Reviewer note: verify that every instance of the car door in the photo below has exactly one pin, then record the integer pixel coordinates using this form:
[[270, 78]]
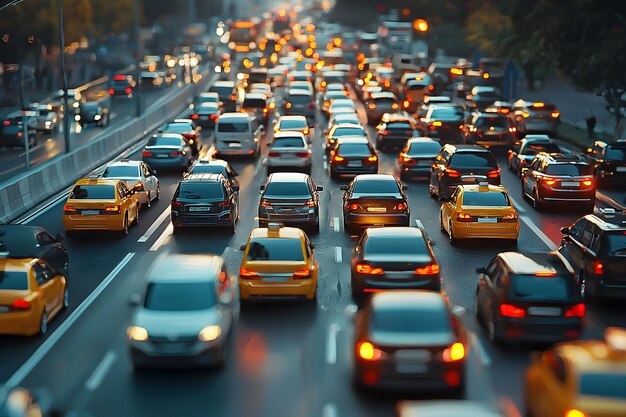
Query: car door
[[448, 208], [50, 287], [51, 251], [497, 296], [526, 177], [590, 235], [571, 247], [127, 201], [485, 290]]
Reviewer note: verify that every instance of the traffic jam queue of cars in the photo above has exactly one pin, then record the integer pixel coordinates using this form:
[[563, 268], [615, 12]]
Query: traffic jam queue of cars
[[407, 335]]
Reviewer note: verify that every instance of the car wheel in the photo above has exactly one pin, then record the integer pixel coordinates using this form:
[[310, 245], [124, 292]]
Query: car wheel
[[441, 226], [137, 215], [43, 323], [149, 202], [125, 226], [158, 193], [453, 240], [479, 316], [582, 282], [66, 298], [536, 202], [431, 191]]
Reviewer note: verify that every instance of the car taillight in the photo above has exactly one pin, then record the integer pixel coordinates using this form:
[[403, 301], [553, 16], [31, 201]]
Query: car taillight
[[287, 105], [246, 273], [472, 128], [405, 158], [372, 106], [273, 154], [310, 203], [508, 310], [454, 353], [435, 124], [598, 268], [353, 206], [176, 204], [572, 412], [147, 153], [548, 181], [400, 206], [302, 273], [214, 116], [265, 203], [112, 209], [233, 97], [587, 183], [128, 90], [69, 209], [555, 114], [176, 153], [303, 154], [384, 132], [494, 173], [7, 123], [427, 270], [338, 158], [368, 351], [406, 104], [363, 268], [195, 116], [452, 173], [577, 310], [431, 87], [512, 129], [510, 217], [373, 158], [464, 217], [111, 91], [311, 106], [21, 304]]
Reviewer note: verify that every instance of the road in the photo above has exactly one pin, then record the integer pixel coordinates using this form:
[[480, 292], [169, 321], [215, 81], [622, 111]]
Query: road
[[287, 358]]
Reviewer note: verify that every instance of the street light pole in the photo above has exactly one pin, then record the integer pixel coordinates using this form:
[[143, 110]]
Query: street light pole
[[66, 120], [135, 35]]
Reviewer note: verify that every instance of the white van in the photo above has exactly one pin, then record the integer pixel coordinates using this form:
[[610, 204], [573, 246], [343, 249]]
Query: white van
[[238, 134]]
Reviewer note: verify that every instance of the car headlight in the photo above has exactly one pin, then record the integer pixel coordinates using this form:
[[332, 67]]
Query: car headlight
[[77, 117], [48, 123], [97, 117], [137, 333], [209, 333]]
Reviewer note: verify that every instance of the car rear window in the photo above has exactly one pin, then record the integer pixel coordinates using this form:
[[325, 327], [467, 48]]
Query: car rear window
[[446, 114], [299, 99], [425, 148], [272, 249], [292, 142], [616, 153], [414, 320], [469, 160], [197, 190], [491, 199], [121, 171], [375, 187], [13, 280], [614, 244], [287, 189], [93, 192], [535, 148], [183, 296], [232, 127], [292, 124], [399, 126], [388, 245], [255, 103], [164, 141], [222, 92], [496, 122], [349, 131], [568, 169], [534, 288], [603, 384], [354, 150]]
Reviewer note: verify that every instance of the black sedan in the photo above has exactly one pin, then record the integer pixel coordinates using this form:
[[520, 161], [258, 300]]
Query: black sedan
[[417, 156], [374, 200], [93, 112], [409, 341], [22, 241], [393, 258], [352, 156]]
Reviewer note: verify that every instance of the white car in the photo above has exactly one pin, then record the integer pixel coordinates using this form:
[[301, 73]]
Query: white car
[[289, 150], [302, 85], [344, 103], [136, 175]]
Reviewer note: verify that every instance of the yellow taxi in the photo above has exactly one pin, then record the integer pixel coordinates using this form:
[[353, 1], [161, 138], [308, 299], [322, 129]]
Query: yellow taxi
[[100, 204], [479, 211], [278, 262], [30, 295], [585, 378]]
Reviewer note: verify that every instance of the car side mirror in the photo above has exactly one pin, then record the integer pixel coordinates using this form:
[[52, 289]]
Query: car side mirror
[[405, 187], [262, 187], [242, 247], [320, 188], [135, 300], [343, 187], [480, 270], [565, 231]]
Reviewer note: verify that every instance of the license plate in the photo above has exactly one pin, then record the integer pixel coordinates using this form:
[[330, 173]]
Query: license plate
[[199, 208], [377, 209], [234, 145], [412, 355], [162, 156], [204, 117], [544, 311], [411, 368], [4, 309], [620, 169], [90, 212], [469, 179], [275, 279], [570, 184], [355, 163], [487, 220], [287, 156]]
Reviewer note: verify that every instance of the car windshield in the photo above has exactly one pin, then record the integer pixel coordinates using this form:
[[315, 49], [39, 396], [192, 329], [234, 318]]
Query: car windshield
[[446, 114], [354, 150], [121, 171], [495, 122], [568, 169], [469, 160], [410, 320], [196, 190], [294, 124], [164, 141], [93, 192], [491, 199], [534, 288], [177, 127], [253, 103], [603, 384], [287, 189], [299, 99], [535, 148], [389, 245], [180, 296], [13, 280], [348, 131], [616, 154], [272, 249], [292, 142], [232, 127], [424, 148], [375, 187]]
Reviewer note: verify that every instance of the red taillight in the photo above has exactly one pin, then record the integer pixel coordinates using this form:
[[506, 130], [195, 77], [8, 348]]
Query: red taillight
[[147, 153], [111, 91], [555, 114], [21, 304], [213, 116], [19, 134], [246, 273], [195, 116], [338, 158], [128, 90], [176, 153], [400, 206], [302, 273], [427, 270], [494, 173], [273, 154], [548, 181], [112, 209], [265, 203], [598, 268], [406, 159], [69, 209], [454, 353], [510, 217], [463, 217], [362, 268], [431, 87], [384, 132], [577, 310], [508, 310], [587, 183], [7, 122], [302, 154], [373, 158], [353, 206], [368, 351], [176, 204], [452, 173], [311, 106]]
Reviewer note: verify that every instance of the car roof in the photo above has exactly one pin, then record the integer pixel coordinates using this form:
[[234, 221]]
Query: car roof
[[233, 115], [446, 408], [382, 94], [282, 232], [351, 139], [203, 176], [423, 139], [292, 117], [395, 231], [483, 188], [608, 221], [179, 268], [562, 158], [408, 300], [466, 148], [530, 263], [287, 177], [344, 125], [289, 134], [299, 92], [219, 162]]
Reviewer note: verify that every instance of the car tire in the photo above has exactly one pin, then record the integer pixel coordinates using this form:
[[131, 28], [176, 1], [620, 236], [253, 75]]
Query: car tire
[[70, 234], [43, 323], [536, 201], [137, 215], [431, 191], [441, 226], [453, 240], [492, 333], [66, 298], [125, 226], [589, 207], [149, 201], [334, 176]]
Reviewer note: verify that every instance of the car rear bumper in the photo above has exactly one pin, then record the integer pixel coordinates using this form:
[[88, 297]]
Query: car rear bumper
[[185, 220], [20, 323], [178, 162], [345, 170], [250, 288], [363, 221], [475, 230], [110, 222], [550, 331], [364, 284]]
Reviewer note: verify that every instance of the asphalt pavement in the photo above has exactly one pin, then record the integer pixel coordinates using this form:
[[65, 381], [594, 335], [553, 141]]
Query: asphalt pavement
[[287, 358]]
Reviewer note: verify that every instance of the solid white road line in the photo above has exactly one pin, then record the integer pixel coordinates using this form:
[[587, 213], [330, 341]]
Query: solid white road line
[[338, 255], [30, 364], [155, 225], [330, 410], [101, 370], [336, 226], [484, 357], [325, 165], [331, 344], [164, 236]]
